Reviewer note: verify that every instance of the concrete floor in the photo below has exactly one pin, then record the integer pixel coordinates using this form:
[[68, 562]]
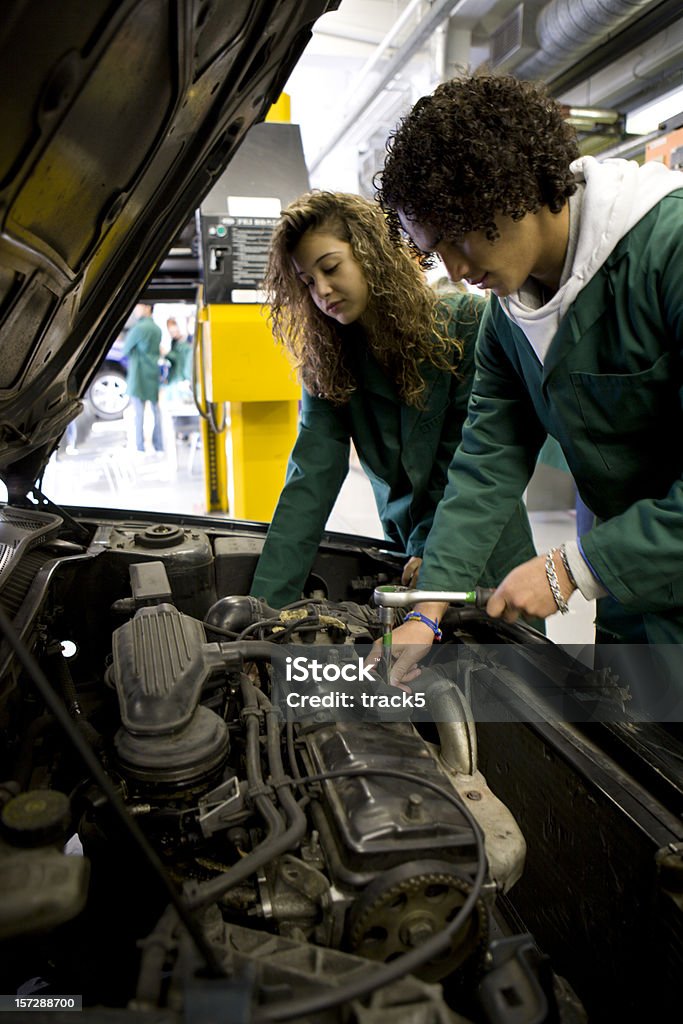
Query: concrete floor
[[107, 472]]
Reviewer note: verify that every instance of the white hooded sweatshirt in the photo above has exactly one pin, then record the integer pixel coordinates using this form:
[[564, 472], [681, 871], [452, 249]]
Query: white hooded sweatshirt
[[617, 194]]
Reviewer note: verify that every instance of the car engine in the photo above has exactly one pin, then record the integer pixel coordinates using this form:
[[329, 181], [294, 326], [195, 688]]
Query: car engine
[[178, 832]]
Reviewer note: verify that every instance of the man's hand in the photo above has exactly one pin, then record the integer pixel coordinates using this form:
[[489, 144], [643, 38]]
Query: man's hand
[[526, 591], [410, 571]]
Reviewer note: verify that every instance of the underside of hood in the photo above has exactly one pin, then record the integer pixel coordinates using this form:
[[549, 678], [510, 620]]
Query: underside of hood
[[117, 118]]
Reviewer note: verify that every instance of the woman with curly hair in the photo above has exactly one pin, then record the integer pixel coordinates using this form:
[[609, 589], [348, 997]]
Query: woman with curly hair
[[385, 363], [582, 343]]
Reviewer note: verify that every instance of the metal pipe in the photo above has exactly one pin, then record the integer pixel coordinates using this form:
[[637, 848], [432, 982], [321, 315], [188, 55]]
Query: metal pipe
[[353, 35], [405, 15], [451, 713], [567, 29], [441, 9], [631, 147]]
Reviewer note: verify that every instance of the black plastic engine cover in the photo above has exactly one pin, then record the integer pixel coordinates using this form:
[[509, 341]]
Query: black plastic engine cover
[[377, 821]]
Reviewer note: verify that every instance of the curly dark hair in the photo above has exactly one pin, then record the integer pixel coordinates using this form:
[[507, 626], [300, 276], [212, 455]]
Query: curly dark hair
[[478, 147], [405, 323]]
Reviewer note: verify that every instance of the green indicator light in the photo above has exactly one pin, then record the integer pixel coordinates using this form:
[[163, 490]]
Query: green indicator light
[[221, 230]]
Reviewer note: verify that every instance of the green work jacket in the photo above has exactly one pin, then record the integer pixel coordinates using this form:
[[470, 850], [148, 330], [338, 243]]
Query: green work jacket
[[404, 450], [180, 359], [142, 348], [610, 391]]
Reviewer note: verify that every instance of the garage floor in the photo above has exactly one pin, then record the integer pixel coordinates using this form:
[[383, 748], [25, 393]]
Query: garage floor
[[106, 471]]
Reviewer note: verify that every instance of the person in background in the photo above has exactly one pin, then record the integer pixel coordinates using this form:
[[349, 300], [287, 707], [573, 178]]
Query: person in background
[[582, 342], [142, 349], [179, 355], [385, 363]]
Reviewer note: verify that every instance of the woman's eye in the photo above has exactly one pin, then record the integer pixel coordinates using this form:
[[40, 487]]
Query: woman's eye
[[330, 270]]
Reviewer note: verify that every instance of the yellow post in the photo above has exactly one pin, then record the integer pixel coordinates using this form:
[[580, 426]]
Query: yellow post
[[260, 438], [281, 110], [242, 370], [245, 368]]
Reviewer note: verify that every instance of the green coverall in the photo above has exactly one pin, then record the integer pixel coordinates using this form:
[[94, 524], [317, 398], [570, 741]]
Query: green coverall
[[610, 391], [404, 450], [141, 345]]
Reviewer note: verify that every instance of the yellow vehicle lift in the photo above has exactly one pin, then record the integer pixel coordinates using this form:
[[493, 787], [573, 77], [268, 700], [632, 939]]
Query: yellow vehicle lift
[[245, 386], [246, 442]]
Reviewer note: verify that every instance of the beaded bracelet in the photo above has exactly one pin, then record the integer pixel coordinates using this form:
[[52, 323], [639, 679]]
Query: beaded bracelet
[[419, 617], [567, 568], [554, 583]]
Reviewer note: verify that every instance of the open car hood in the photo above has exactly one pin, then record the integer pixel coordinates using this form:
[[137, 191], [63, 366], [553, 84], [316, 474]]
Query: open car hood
[[118, 116]]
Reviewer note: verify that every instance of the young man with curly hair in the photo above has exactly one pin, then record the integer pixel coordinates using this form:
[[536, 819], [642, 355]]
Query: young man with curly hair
[[385, 363], [582, 342]]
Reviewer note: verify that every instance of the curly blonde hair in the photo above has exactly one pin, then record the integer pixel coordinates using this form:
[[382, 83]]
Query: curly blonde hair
[[405, 323]]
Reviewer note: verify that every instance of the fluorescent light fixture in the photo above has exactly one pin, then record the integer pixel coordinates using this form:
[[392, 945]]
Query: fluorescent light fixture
[[597, 114], [648, 118]]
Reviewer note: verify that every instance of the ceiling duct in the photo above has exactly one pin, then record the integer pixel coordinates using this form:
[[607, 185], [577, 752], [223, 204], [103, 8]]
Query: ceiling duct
[[567, 29], [513, 40]]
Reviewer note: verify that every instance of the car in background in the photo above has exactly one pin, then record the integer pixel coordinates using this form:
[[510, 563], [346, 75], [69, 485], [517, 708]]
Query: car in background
[[175, 280], [107, 397]]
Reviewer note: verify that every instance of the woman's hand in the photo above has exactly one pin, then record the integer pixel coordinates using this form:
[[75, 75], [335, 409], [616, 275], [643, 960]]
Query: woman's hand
[[409, 644], [410, 571], [526, 591]]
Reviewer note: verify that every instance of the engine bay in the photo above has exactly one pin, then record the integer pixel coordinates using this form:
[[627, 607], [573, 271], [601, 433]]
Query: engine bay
[[191, 822], [164, 811]]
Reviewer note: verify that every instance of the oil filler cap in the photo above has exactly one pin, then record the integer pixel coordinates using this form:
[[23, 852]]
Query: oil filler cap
[[38, 818]]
